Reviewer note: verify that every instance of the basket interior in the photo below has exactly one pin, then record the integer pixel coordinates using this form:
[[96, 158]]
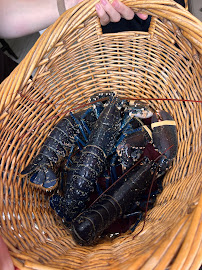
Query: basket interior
[[158, 64]]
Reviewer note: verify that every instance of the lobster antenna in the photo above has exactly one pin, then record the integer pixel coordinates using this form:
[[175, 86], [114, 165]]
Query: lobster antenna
[[168, 99], [164, 152], [149, 194], [161, 99], [102, 99], [64, 113], [147, 205]]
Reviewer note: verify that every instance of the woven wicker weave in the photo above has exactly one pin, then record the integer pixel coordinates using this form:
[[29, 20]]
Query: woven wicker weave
[[72, 60]]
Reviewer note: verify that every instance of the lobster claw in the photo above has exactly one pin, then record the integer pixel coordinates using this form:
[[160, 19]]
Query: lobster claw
[[165, 134]]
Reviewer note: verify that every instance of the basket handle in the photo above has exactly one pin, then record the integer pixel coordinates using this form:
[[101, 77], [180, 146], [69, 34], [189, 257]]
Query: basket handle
[[190, 27]]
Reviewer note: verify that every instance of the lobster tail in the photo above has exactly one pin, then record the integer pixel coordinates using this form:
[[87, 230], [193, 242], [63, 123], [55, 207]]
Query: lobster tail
[[38, 161], [45, 178]]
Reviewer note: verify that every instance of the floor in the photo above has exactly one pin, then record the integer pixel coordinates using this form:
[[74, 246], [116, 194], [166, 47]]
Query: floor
[[195, 7], [21, 46]]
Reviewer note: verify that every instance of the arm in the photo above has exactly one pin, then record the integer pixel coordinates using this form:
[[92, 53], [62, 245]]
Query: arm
[[23, 17]]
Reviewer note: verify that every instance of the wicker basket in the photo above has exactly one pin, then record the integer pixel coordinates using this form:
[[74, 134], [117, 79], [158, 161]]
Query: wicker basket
[[72, 60]]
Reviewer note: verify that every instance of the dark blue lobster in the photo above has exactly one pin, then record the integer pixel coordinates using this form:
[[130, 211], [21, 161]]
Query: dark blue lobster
[[91, 163], [90, 224], [73, 130]]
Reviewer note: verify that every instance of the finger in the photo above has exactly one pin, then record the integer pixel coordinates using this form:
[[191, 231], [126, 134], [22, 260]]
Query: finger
[[5, 259], [104, 18], [142, 16], [113, 14], [125, 12]]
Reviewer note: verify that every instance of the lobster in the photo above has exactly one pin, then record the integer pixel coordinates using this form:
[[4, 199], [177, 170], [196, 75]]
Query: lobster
[[94, 155], [91, 163], [111, 205], [70, 132], [73, 130]]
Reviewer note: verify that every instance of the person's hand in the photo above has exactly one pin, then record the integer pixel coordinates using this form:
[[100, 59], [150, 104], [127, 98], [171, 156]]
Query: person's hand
[[5, 259], [114, 12]]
